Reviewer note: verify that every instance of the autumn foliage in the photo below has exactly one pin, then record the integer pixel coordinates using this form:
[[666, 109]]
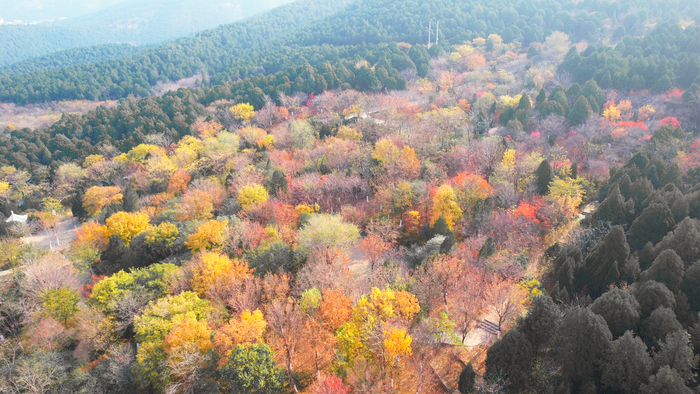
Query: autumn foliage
[[98, 197], [210, 235], [338, 241], [127, 225], [211, 270]]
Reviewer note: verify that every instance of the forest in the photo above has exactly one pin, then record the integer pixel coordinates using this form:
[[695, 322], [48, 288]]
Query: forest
[[340, 207], [72, 57], [309, 31], [59, 25]]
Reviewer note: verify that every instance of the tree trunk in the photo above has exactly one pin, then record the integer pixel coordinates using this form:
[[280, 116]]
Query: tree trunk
[[289, 369]]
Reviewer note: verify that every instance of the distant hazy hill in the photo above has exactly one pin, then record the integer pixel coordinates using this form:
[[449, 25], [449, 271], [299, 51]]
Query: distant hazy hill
[[43, 10], [72, 57], [137, 22]]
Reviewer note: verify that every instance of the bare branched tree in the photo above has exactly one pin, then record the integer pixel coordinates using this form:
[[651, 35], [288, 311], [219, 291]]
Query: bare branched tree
[[51, 272], [184, 366]]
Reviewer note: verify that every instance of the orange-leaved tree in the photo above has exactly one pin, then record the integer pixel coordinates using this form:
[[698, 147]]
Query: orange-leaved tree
[[381, 236], [187, 346], [505, 298], [207, 129], [94, 234], [245, 329], [284, 319], [317, 347], [178, 182], [210, 235], [195, 205], [212, 271], [98, 197], [335, 309], [471, 189]]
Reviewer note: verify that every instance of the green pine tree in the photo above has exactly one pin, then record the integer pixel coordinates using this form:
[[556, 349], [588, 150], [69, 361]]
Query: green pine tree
[[581, 111], [651, 226], [581, 341], [130, 201], [525, 102], [593, 93], [467, 380], [544, 175], [560, 97], [627, 364], [604, 260], [573, 91], [606, 81], [552, 108], [541, 97], [488, 249], [511, 357], [620, 310], [77, 205]]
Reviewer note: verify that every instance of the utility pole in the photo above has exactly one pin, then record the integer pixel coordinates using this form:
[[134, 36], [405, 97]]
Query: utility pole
[[437, 33], [430, 29]]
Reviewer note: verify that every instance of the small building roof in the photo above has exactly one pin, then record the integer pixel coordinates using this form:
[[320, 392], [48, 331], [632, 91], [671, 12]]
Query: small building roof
[[15, 218]]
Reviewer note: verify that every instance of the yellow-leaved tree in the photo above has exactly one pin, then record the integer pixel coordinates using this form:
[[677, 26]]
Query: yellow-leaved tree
[[384, 315], [348, 133], [568, 192], [398, 162], [140, 152], [445, 204], [4, 189], [243, 112], [187, 347], [386, 152], [127, 225], [612, 113], [165, 232], [61, 303], [397, 344], [168, 323], [210, 235], [251, 195], [186, 152], [189, 334], [374, 312]]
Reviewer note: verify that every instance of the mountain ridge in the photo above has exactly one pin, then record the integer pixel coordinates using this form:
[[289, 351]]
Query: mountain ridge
[[132, 21]]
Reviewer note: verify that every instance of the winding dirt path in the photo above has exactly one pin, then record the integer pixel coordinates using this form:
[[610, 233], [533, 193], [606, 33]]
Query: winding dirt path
[[58, 238]]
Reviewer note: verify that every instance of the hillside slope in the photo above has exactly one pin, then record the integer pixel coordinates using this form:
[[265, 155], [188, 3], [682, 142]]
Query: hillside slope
[[132, 21], [72, 57], [222, 48]]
